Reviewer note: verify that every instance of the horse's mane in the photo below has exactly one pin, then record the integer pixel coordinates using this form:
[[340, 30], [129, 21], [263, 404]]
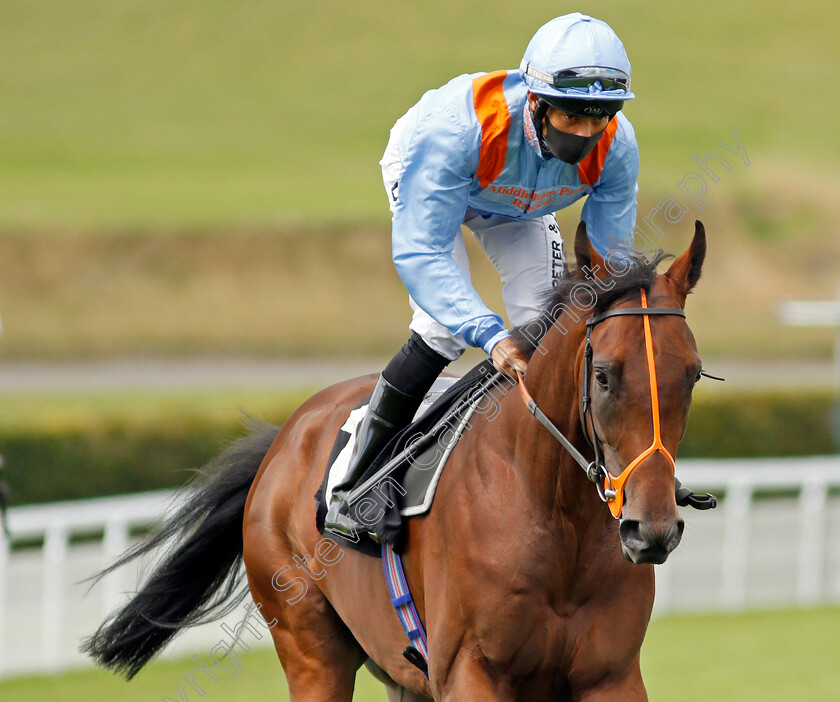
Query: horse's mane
[[640, 272]]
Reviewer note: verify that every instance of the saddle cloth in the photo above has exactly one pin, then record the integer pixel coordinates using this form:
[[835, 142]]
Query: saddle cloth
[[401, 481]]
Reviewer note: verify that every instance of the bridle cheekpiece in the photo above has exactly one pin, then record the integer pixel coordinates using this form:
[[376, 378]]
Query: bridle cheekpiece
[[610, 487]]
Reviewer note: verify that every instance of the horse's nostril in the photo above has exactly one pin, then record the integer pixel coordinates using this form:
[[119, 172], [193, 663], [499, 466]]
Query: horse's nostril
[[630, 531], [640, 537], [672, 540]]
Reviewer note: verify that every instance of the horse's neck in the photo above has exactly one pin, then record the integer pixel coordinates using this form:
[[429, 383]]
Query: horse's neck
[[553, 381]]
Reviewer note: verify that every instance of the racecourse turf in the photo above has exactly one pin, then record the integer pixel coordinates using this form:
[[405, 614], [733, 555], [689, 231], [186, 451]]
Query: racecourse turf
[[769, 656], [203, 113], [200, 177]]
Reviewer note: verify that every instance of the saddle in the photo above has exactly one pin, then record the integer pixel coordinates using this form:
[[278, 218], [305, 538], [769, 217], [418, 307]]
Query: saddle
[[401, 481]]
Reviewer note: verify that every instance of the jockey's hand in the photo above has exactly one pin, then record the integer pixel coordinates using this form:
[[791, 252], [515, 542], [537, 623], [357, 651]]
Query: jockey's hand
[[508, 358]]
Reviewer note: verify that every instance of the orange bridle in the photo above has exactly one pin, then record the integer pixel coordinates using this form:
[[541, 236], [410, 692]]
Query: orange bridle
[[612, 489], [614, 486]]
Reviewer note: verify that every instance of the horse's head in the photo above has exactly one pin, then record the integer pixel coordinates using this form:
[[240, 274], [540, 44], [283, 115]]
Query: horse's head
[[639, 377]]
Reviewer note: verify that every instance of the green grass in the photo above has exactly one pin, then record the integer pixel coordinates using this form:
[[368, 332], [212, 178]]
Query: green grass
[[260, 679], [203, 113], [91, 411], [772, 656]]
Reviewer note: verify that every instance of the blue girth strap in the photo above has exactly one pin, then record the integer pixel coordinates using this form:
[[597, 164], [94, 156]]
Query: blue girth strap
[[406, 611]]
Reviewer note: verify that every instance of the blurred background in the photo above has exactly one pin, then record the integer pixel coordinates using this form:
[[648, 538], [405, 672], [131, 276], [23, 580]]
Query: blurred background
[[192, 223]]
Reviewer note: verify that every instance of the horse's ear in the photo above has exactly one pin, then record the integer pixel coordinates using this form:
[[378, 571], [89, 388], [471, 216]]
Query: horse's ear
[[586, 255], [685, 271]]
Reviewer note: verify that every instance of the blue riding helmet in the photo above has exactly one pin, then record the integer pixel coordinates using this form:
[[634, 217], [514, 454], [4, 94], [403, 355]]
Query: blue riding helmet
[[577, 57]]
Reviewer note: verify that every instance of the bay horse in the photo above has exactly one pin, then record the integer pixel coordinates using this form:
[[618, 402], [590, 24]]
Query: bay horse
[[528, 586]]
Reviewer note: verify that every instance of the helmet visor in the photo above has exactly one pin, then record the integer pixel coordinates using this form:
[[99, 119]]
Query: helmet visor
[[582, 77]]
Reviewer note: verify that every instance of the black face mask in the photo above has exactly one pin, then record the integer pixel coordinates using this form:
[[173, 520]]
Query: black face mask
[[569, 148]]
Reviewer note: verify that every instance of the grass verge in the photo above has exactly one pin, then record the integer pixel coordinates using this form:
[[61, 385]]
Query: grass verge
[[769, 656]]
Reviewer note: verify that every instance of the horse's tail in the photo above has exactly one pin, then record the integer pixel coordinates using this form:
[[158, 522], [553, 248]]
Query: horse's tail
[[199, 577]]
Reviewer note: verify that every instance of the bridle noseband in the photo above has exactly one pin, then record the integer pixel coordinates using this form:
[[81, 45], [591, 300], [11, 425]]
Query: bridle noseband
[[610, 487]]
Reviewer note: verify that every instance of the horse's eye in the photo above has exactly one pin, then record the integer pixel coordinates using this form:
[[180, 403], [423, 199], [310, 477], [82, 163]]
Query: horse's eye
[[601, 379], [698, 376]]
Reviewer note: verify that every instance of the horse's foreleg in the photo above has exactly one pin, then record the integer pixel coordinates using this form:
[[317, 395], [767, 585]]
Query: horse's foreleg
[[628, 688], [396, 693], [469, 680], [400, 694]]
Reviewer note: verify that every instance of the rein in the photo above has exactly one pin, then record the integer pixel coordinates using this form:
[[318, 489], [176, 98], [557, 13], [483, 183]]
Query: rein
[[611, 490]]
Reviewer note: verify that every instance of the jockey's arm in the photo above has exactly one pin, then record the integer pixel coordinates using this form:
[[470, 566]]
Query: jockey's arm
[[438, 173]]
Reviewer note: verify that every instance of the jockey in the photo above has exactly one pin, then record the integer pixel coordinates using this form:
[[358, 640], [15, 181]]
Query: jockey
[[499, 153]]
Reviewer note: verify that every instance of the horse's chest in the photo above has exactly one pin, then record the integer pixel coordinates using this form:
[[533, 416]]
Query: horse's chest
[[555, 642]]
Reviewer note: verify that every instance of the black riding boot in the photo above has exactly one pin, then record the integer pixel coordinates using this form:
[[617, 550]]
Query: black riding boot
[[396, 397], [389, 411]]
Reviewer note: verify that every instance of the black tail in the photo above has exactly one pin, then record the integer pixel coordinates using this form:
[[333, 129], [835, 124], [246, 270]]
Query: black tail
[[199, 577]]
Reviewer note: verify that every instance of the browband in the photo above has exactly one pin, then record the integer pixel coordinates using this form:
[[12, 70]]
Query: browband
[[592, 321]]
